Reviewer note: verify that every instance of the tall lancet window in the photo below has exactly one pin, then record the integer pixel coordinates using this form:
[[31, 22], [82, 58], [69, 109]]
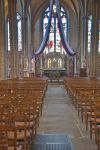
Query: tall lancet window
[[54, 43], [89, 33], [19, 29], [8, 36]]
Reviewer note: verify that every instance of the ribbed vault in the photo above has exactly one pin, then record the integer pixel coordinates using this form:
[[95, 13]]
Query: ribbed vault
[[37, 5]]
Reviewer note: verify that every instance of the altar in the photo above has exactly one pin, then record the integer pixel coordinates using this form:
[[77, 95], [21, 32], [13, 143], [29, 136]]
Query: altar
[[54, 72]]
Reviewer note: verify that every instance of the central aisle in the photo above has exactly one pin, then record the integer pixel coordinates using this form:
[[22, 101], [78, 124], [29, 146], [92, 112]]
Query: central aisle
[[60, 117]]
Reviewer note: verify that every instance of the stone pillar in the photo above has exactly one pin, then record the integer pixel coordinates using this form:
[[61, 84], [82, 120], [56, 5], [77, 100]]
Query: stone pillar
[[85, 29], [13, 38], [74, 63], [25, 35], [25, 43], [83, 37], [83, 18], [79, 52], [41, 64], [2, 48], [95, 37]]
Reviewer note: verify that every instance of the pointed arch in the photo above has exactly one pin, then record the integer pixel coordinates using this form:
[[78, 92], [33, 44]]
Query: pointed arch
[[54, 43], [42, 46], [60, 26]]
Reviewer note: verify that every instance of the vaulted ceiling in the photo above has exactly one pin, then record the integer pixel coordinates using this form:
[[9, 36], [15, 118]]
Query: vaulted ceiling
[[73, 4], [37, 5]]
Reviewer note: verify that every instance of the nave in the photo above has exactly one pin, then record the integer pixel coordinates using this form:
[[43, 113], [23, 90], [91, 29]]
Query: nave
[[60, 117], [42, 41], [39, 115]]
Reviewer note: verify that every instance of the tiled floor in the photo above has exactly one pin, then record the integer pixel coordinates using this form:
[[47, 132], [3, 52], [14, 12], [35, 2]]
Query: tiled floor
[[60, 117]]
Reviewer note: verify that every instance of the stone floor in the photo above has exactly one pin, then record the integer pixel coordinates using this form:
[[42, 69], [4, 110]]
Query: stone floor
[[60, 117]]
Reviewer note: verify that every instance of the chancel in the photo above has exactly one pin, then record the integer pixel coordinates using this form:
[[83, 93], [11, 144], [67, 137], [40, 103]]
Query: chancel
[[49, 74]]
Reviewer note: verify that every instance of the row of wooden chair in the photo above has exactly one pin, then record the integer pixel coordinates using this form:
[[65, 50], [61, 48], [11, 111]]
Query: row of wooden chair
[[20, 109], [85, 95]]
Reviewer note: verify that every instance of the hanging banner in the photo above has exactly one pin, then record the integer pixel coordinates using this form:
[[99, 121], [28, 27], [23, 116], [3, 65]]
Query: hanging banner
[[61, 30], [46, 37], [62, 34]]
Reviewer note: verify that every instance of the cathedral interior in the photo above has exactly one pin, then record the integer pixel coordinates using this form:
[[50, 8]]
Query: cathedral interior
[[49, 74]]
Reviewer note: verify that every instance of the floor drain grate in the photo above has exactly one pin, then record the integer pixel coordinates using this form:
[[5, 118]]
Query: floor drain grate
[[51, 146], [52, 142]]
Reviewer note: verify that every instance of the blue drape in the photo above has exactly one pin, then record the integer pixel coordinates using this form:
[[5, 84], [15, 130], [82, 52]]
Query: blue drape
[[62, 34], [46, 37]]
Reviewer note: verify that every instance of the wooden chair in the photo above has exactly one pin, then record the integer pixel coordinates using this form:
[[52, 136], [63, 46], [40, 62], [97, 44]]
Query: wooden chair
[[95, 120], [7, 141], [98, 137], [21, 121]]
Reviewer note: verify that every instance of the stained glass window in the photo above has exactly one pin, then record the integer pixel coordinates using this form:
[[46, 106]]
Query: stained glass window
[[19, 32], [19, 29], [8, 37], [89, 33], [54, 43]]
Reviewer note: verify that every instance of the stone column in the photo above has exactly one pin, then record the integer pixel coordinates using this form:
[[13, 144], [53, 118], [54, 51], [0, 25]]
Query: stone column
[[79, 52], [95, 37], [25, 35], [2, 43], [85, 29], [84, 21], [74, 63], [41, 64], [13, 38], [25, 42], [83, 38]]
